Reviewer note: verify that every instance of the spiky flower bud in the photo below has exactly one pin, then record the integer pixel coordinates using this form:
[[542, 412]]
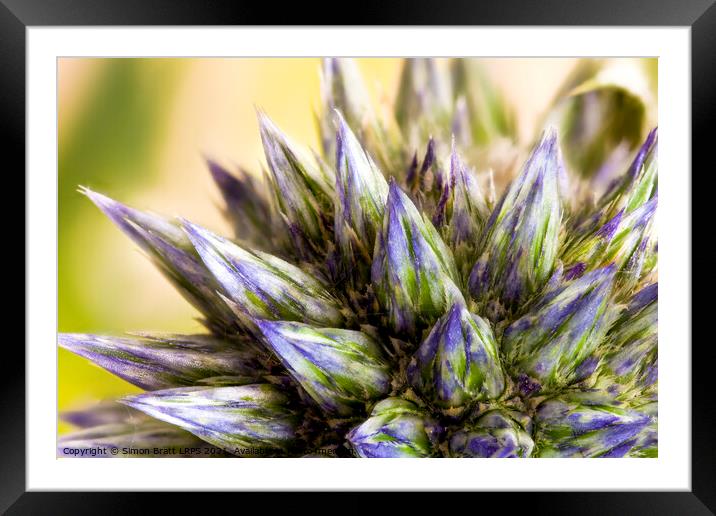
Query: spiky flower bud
[[396, 428], [149, 438], [458, 363], [462, 210], [256, 417], [498, 433], [416, 178], [546, 347], [162, 361], [362, 192], [343, 89], [621, 230], [621, 240], [303, 189], [522, 235], [340, 369], [585, 425], [413, 271], [261, 286], [172, 252], [636, 186]]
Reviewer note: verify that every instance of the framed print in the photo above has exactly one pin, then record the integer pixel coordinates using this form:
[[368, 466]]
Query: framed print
[[463, 243]]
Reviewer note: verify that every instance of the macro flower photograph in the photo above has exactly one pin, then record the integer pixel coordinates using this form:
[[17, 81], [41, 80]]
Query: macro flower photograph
[[358, 257]]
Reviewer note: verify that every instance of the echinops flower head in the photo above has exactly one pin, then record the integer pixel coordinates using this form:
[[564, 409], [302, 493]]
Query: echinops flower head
[[426, 284]]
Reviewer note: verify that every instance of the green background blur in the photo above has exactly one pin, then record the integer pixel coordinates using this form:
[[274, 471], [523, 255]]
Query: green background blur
[[136, 130]]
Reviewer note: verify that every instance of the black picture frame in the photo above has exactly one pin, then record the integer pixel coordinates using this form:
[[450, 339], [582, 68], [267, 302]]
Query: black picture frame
[[700, 15]]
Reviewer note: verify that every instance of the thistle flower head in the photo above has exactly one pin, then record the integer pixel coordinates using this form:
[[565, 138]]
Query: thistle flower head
[[392, 296]]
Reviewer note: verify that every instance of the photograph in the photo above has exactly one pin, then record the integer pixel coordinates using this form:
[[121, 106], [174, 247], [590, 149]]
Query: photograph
[[423, 231], [357, 257]]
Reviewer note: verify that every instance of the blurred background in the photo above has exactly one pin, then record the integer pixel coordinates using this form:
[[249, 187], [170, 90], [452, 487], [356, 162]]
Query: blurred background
[[138, 130]]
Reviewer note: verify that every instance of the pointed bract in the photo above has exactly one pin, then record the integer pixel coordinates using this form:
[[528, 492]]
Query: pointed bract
[[574, 425], [647, 442], [458, 363], [163, 361], [561, 331], [340, 369], [257, 417], [261, 286], [461, 212], [522, 235], [396, 428], [343, 89], [622, 240], [413, 271], [303, 190], [637, 185], [362, 192]]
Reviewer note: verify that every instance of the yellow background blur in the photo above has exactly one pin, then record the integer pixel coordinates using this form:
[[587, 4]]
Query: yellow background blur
[[136, 130]]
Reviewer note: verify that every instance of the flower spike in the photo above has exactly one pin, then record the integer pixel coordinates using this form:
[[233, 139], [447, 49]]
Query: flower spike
[[522, 235], [261, 286], [340, 369], [413, 272]]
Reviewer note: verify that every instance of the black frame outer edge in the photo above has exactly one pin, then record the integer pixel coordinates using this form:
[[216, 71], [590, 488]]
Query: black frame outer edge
[[15, 15]]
